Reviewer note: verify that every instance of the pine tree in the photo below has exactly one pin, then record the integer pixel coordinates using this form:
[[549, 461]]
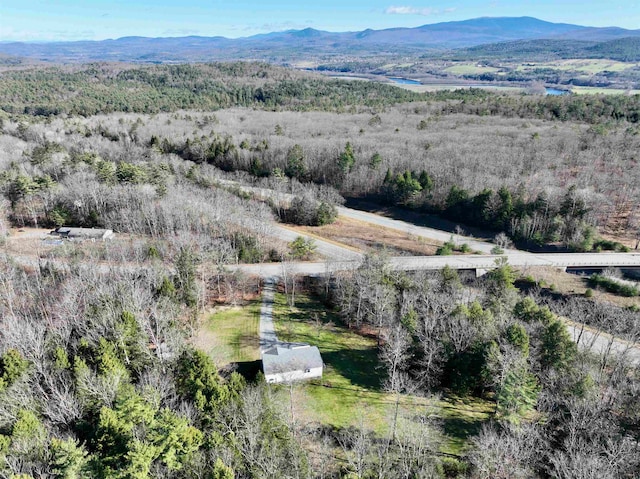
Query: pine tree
[[347, 159]]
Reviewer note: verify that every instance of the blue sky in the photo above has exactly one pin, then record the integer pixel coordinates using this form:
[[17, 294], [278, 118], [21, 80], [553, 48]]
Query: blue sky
[[47, 20]]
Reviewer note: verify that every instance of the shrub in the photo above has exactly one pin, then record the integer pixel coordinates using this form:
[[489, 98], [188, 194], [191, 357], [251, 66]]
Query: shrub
[[302, 248], [608, 245], [446, 249], [307, 211], [613, 286], [454, 468]]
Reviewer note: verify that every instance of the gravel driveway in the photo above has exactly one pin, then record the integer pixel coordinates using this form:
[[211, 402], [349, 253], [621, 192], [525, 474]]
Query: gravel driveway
[[268, 337]]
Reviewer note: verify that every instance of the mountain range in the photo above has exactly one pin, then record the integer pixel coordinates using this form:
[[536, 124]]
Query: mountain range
[[297, 44]]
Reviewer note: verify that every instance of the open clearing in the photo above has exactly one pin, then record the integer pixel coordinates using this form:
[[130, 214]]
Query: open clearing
[[571, 284], [431, 87], [29, 241], [369, 237], [469, 69], [350, 390], [589, 66], [230, 335], [39, 243], [592, 90]]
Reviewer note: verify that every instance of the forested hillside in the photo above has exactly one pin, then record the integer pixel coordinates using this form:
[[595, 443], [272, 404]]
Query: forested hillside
[[622, 49], [459, 153], [105, 371], [109, 88]]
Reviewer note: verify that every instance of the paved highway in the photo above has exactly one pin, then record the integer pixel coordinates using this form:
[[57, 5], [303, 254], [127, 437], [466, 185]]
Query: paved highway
[[420, 231], [325, 248], [602, 344], [460, 262]]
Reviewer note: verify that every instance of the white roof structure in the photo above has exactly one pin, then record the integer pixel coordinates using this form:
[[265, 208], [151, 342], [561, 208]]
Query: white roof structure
[[291, 361], [83, 233]]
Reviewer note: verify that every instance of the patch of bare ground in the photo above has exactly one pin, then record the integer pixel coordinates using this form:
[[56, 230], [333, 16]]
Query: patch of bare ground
[[624, 237], [369, 237], [572, 284], [27, 241], [38, 242]]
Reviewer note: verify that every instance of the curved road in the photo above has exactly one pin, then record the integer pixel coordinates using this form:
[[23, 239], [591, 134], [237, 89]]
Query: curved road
[[602, 344], [264, 194], [421, 231], [327, 249]]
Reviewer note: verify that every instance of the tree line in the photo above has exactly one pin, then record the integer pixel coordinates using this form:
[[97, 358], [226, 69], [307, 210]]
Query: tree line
[[555, 405], [103, 89]]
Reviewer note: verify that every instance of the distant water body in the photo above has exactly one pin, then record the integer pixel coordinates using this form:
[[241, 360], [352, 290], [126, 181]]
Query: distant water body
[[404, 81], [555, 91]]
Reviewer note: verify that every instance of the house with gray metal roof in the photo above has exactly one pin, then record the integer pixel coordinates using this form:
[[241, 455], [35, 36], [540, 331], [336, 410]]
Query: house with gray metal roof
[[83, 233], [287, 362]]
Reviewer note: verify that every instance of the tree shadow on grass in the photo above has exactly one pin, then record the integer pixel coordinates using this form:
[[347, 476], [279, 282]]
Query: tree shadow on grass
[[360, 366], [249, 369], [357, 363], [462, 428]]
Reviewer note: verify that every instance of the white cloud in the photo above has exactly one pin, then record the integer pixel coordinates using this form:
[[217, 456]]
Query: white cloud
[[424, 11]]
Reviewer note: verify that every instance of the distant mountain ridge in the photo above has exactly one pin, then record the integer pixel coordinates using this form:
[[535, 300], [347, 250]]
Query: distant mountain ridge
[[296, 43]]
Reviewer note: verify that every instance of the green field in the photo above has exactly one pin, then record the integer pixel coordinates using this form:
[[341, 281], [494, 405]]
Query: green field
[[592, 90], [231, 335], [469, 69], [389, 66], [350, 391], [587, 66], [424, 88]]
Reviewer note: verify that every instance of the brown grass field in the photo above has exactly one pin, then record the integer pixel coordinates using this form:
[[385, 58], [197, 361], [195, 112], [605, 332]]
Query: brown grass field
[[571, 284], [368, 237]]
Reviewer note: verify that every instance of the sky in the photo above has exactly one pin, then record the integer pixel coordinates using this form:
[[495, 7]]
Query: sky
[[68, 20]]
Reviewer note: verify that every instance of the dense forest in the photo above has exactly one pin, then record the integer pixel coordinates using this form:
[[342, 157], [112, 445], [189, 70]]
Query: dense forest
[[105, 88], [101, 374], [622, 49], [478, 166]]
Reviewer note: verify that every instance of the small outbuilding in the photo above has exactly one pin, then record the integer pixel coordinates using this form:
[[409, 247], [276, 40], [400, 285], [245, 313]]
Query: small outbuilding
[[83, 233], [287, 362]]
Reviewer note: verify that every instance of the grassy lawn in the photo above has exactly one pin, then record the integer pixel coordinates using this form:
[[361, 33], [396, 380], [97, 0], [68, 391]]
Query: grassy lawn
[[231, 335], [350, 390]]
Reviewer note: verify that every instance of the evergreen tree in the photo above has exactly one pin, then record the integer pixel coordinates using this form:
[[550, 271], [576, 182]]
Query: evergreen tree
[[518, 394], [558, 350], [347, 159], [296, 163]]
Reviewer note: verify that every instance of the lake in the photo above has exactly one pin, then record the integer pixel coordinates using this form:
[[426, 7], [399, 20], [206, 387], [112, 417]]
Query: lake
[[404, 81], [556, 92]]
